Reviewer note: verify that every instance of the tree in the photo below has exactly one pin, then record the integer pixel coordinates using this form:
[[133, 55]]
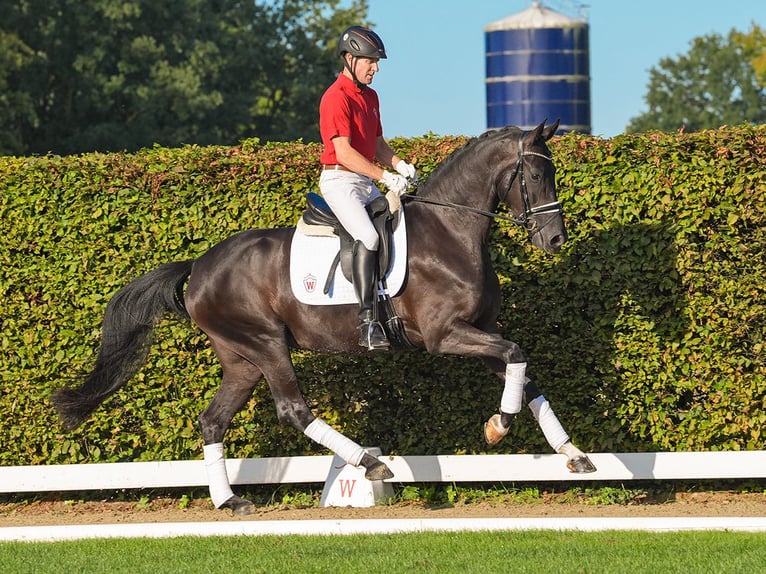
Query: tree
[[753, 46], [16, 106], [115, 75], [714, 84]]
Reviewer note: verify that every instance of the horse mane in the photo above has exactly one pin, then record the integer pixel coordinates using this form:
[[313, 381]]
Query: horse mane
[[459, 155]]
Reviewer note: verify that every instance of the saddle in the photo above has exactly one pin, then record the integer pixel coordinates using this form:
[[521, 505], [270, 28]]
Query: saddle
[[318, 219], [318, 213]]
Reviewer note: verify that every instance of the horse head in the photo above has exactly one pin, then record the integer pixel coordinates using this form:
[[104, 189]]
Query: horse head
[[528, 188]]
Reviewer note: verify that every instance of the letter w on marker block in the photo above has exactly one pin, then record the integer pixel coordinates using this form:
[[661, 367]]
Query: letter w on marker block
[[347, 486]]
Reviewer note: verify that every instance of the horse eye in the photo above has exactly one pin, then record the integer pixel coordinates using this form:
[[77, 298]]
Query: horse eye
[[536, 176]]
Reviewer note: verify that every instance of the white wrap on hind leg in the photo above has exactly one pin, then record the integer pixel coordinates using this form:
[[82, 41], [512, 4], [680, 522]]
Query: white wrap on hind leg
[[319, 431], [218, 480]]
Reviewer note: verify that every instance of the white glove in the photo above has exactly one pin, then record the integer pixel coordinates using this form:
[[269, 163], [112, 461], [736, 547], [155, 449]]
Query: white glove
[[396, 183], [407, 170]]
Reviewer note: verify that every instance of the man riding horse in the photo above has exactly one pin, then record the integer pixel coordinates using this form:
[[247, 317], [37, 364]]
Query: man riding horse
[[351, 130], [239, 292]]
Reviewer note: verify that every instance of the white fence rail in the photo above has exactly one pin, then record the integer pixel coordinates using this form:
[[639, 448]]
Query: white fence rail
[[406, 469]]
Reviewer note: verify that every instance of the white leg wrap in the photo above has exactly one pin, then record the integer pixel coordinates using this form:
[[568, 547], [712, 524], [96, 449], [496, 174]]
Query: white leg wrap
[[513, 394], [324, 434], [218, 480], [550, 425]]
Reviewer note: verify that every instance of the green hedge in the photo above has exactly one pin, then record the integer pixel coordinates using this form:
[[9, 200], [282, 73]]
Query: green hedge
[[645, 332]]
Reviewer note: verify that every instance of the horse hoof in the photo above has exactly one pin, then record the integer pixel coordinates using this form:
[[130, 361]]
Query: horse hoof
[[494, 430], [378, 471], [581, 465], [239, 506]]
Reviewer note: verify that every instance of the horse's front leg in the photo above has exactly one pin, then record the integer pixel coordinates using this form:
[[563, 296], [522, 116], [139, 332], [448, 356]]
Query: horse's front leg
[[499, 425], [508, 362]]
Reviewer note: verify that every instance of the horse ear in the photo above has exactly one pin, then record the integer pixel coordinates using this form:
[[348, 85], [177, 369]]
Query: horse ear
[[535, 134], [550, 130]]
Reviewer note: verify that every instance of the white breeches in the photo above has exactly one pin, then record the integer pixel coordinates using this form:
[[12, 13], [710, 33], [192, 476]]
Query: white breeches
[[347, 194]]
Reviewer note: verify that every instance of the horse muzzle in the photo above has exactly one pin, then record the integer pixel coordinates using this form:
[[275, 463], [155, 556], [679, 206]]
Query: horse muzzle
[[547, 232]]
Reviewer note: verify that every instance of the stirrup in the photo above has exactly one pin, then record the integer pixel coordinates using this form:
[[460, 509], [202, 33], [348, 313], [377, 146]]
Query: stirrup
[[372, 336]]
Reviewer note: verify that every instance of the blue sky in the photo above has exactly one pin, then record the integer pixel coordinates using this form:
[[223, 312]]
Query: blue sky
[[433, 79]]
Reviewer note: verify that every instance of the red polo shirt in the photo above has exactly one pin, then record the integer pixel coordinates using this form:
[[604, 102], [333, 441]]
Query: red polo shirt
[[347, 111]]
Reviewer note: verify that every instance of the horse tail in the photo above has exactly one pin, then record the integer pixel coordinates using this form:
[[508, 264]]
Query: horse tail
[[129, 320]]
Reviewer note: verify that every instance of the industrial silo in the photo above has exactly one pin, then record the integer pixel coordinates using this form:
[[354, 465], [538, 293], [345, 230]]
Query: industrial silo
[[537, 68]]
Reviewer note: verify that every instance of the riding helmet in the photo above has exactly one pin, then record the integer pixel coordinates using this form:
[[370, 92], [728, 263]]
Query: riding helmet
[[361, 42]]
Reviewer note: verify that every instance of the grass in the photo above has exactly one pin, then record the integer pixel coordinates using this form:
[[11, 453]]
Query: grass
[[507, 552], [429, 494], [297, 496], [434, 496], [452, 494]]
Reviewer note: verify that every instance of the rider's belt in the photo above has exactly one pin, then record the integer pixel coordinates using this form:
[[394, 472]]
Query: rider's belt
[[334, 167]]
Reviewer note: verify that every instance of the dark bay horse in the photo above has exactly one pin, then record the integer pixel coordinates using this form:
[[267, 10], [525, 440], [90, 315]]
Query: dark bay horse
[[239, 294]]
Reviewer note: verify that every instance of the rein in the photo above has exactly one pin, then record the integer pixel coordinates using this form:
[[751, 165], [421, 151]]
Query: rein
[[462, 207], [525, 220]]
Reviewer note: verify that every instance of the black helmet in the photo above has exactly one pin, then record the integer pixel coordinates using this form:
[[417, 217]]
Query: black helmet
[[361, 42]]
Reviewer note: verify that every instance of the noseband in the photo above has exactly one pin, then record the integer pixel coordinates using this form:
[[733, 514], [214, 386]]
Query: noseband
[[526, 219]]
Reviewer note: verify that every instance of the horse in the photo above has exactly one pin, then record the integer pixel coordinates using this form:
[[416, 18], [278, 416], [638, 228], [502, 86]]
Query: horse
[[239, 294]]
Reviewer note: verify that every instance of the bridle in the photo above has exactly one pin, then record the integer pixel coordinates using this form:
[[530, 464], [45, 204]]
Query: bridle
[[526, 219]]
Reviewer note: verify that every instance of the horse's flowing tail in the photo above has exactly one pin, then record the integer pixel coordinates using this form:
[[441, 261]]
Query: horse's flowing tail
[[125, 339]]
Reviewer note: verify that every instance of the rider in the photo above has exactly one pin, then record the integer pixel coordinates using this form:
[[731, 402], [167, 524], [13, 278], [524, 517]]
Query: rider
[[349, 123]]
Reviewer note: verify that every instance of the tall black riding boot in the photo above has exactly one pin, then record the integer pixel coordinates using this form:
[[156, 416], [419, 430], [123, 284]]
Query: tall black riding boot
[[364, 276]]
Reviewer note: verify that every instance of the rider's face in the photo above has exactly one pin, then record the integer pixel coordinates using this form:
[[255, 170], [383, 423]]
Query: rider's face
[[364, 68]]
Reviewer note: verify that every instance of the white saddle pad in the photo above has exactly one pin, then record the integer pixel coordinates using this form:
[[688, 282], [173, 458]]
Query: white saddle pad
[[311, 258]]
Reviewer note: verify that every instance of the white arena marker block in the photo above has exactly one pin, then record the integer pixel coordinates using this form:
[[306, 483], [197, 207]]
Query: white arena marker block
[[347, 486]]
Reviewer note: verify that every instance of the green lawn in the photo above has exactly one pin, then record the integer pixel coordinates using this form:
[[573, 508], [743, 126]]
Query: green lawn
[[535, 552]]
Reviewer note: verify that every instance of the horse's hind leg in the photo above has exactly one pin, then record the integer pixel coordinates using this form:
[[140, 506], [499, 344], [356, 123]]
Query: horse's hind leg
[[239, 380], [292, 410]]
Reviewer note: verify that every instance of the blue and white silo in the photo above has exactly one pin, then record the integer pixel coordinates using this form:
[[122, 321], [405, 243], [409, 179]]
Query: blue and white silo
[[538, 67]]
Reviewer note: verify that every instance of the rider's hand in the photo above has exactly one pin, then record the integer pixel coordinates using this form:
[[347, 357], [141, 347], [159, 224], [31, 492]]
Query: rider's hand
[[396, 183], [407, 170]]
